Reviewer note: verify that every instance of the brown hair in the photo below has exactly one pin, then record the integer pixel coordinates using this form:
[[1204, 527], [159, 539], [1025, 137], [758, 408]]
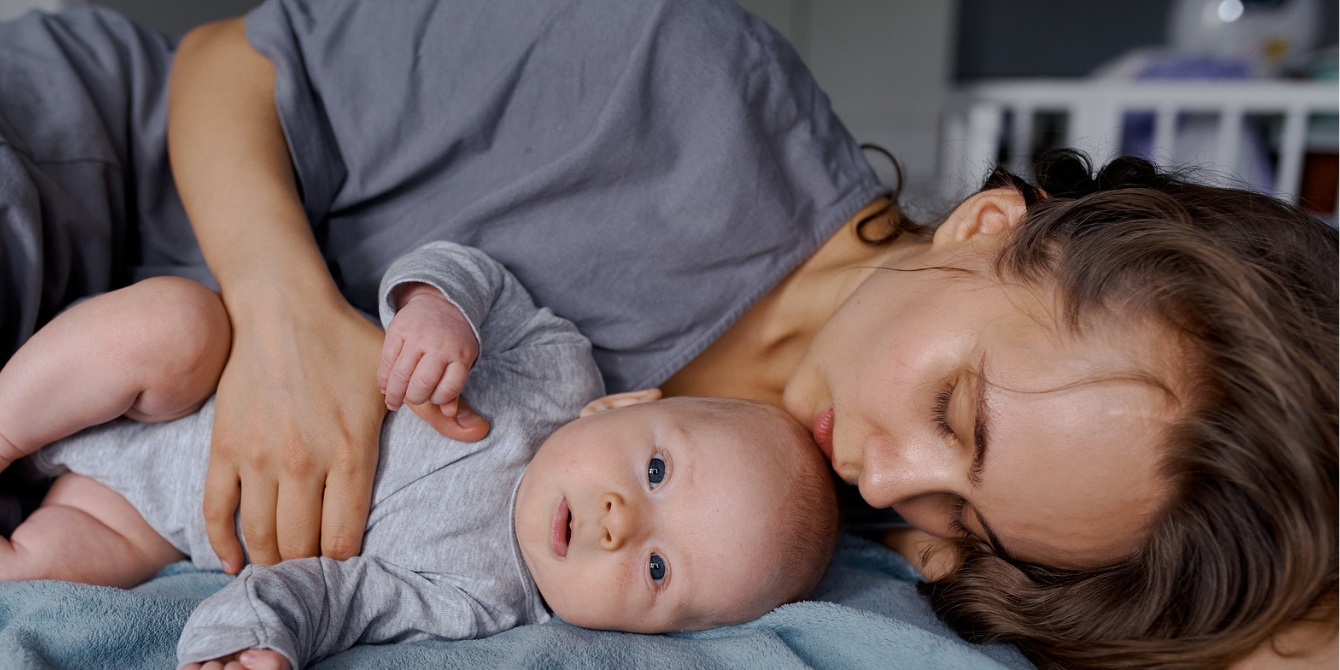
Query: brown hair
[[1247, 543]]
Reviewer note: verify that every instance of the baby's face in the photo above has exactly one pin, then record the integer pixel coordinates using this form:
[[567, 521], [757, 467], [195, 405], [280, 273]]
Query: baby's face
[[653, 518]]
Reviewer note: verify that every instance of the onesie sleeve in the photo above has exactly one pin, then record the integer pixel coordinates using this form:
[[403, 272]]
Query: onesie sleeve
[[500, 311], [308, 609]]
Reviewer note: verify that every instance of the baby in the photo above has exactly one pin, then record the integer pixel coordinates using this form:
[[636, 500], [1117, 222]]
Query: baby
[[644, 515]]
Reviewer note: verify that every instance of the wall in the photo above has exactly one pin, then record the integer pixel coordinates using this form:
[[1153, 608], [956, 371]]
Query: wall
[[885, 64]]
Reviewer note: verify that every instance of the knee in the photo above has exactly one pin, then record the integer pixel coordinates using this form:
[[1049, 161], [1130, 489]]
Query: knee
[[185, 336], [186, 321]]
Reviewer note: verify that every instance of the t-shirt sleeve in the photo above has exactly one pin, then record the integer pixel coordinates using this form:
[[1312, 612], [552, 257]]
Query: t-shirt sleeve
[[308, 609], [500, 311]]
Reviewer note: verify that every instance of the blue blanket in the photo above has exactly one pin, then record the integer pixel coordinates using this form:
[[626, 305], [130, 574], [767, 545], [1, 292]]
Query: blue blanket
[[867, 615]]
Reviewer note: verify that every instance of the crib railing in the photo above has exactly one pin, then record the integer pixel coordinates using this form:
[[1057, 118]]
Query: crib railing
[[1003, 122]]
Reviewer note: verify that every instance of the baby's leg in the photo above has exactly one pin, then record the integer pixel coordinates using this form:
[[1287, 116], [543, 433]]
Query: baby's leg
[[85, 532], [152, 351]]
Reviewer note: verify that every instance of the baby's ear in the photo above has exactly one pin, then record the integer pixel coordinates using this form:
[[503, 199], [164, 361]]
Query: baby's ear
[[620, 400]]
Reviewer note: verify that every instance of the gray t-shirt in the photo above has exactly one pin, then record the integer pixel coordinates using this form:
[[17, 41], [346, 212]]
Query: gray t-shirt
[[647, 168], [439, 555]]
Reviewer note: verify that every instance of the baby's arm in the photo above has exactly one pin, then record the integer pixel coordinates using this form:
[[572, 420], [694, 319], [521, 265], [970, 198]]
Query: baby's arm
[[311, 608], [433, 303]]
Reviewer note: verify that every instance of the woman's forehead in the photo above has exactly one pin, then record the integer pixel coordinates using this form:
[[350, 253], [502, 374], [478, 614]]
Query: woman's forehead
[[1073, 474], [1078, 419]]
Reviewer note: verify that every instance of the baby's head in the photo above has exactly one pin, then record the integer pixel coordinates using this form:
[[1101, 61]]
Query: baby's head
[[678, 514]]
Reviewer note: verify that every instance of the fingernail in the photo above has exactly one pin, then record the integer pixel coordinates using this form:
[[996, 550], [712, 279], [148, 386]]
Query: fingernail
[[227, 567], [468, 418], [247, 656]]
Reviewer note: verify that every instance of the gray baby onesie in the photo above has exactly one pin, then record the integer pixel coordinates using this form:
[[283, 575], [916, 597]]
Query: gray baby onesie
[[439, 558]]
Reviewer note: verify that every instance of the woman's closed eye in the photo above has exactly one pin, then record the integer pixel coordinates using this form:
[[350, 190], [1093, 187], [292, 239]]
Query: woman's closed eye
[[940, 414], [655, 470], [956, 519]]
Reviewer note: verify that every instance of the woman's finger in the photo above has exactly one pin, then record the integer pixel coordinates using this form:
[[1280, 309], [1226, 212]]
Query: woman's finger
[[453, 381], [259, 504], [465, 425], [427, 374], [345, 510], [222, 495], [299, 497]]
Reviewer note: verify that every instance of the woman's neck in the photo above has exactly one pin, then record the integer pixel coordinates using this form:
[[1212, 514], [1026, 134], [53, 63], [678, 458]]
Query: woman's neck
[[755, 357]]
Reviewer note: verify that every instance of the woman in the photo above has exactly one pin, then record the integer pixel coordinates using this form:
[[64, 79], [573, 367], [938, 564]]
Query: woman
[[678, 142]]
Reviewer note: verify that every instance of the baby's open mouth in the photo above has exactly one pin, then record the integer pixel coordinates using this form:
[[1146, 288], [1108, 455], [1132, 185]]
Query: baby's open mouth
[[561, 529]]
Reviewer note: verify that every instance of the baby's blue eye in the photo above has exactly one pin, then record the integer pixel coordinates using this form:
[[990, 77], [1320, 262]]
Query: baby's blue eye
[[655, 470], [657, 565]]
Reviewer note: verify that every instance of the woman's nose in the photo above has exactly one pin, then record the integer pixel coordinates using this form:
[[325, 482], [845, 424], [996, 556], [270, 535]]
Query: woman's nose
[[618, 521], [894, 472]]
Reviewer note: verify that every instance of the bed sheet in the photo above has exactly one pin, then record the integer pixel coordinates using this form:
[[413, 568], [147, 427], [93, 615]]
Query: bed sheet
[[867, 614]]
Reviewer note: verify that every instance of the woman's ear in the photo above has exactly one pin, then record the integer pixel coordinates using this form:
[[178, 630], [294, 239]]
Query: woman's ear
[[990, 213], [620, 400]]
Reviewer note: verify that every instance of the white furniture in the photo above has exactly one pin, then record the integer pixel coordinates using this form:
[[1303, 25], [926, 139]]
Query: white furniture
[[974, 125]]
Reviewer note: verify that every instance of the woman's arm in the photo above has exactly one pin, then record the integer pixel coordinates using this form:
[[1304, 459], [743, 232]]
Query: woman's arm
[[298, 412]]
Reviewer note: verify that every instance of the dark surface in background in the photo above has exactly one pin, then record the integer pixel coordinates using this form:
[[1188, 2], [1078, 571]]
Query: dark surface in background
[[1063, 38], [175, 17]]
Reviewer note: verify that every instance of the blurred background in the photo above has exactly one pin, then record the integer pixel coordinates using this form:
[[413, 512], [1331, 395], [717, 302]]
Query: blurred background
[[1245, 90]]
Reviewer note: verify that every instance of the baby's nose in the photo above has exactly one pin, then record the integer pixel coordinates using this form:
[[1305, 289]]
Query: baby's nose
[[618, 522]]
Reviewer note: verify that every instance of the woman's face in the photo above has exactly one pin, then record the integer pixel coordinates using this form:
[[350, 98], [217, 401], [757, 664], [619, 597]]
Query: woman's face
[[959, 400]]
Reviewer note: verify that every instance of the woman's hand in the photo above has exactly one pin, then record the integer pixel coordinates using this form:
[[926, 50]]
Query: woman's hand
[[296, 426], [251, 659]]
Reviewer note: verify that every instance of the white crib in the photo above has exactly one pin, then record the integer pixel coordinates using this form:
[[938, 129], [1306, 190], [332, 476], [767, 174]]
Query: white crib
[[996, 121]]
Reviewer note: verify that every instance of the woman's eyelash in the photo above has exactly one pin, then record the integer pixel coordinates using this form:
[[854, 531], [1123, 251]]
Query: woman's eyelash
[[956, 518], [940, 416]]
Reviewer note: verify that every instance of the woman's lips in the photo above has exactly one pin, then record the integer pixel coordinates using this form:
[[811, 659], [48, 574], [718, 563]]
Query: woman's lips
[[558, 531], [823, 432]]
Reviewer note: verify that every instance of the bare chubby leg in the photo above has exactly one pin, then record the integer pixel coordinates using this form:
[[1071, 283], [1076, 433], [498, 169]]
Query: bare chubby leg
[[85, 532], [152, 351]]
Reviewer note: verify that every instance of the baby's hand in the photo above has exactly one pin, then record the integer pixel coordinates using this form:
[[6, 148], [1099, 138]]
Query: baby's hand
[[428, 351], [251, 659]]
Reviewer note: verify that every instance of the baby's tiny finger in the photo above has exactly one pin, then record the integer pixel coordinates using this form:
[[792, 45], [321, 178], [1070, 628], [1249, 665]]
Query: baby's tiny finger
[[453, 380], [400, 376], [390, 351], [448, 408], [426, 376]]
